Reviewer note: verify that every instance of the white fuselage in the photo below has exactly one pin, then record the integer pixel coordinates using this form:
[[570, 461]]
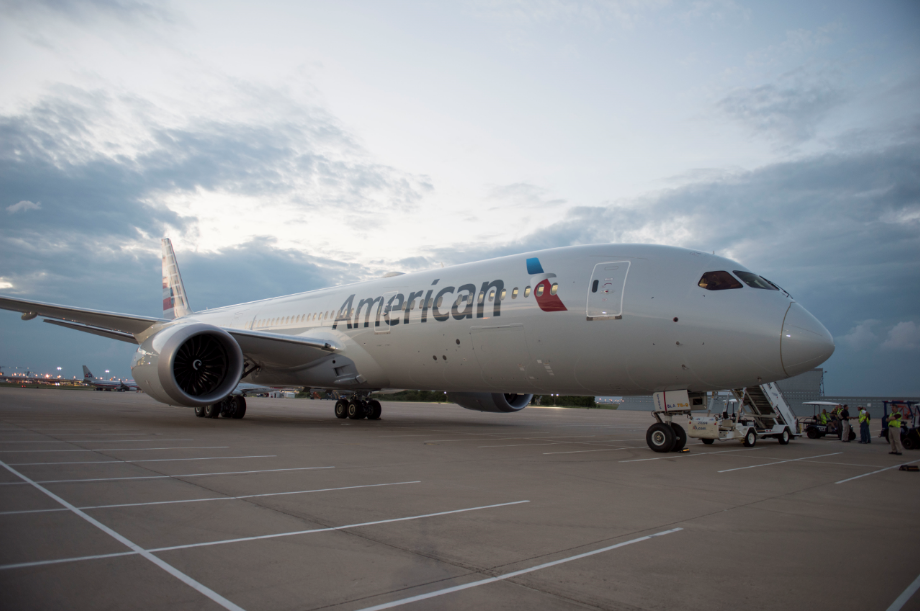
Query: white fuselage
[[645, 326]]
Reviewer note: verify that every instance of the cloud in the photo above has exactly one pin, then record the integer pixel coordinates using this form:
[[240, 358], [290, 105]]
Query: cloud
[[22, 206], [860, 336], [788, 111], [524, 195], [903, 336]]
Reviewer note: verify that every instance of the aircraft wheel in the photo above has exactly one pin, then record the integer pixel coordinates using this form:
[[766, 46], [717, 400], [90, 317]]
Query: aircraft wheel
[[212, 410], [750, 438], [199, 411], [341, 408], [708, 442], [784, 437], [239, 407], [374, 410], [660, 437], [355, 410], [680, 437]]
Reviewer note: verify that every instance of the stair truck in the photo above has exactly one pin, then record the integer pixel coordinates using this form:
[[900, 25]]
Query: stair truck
[[759, 412]]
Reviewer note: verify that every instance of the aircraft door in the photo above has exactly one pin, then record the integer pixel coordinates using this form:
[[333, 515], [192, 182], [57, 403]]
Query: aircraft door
[[605, 290]]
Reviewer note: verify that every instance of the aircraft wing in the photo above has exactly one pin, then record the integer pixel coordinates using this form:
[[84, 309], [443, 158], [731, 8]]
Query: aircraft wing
[[281, 351], [96, 319]]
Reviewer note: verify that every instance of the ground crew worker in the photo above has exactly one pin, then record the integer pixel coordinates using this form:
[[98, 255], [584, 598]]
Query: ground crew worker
[[822, 417], [864, 425], [894, 432], [845, 424]]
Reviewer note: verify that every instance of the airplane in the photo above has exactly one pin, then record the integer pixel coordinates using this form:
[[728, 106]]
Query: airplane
[[593, 320], [102, 384]]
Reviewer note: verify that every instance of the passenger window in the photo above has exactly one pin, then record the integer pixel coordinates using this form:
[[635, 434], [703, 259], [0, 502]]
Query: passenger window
[[440, 301], [754, 281], [492, 295], [596, 282], [504, 292], [719, 281], [482, 296], [527, 292], [554, 289], [538, 291], [514, 293]]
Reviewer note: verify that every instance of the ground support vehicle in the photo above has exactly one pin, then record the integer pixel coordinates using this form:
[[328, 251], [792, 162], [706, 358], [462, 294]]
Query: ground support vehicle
[[910, 413], [761, 412], [814, 429]]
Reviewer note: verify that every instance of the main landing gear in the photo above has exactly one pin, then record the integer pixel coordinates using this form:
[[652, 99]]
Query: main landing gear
[[356, 409], [230, 407]]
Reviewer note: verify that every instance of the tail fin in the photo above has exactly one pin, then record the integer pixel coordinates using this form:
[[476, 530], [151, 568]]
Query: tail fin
[[87, 374], [175, 303]]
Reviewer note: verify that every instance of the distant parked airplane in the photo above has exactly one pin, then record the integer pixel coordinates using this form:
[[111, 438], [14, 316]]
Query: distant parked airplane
[[102, 384]]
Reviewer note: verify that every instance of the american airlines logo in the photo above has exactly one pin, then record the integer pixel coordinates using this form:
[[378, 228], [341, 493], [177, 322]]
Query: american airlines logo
[[466, 302]]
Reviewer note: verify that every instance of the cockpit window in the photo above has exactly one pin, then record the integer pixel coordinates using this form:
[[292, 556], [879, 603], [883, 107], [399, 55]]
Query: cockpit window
[[719, 281], [754, 281]]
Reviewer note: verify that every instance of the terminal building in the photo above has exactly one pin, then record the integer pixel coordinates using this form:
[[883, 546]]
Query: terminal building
[[808, 386]]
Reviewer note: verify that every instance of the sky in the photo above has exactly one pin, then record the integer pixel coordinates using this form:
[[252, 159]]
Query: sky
[[288, 146]]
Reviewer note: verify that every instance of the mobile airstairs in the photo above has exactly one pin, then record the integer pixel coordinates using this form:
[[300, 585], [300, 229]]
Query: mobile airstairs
[[756, 412]]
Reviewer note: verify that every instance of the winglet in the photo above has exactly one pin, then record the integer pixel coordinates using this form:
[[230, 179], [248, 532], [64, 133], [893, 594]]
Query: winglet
[[175, 303]]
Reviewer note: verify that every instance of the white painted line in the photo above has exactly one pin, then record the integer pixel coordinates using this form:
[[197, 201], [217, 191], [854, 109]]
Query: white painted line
[[901, 600], [133, 546], [158, 440], [218, 498], [482, 582], [779, 462], [874, 472], [24, 565], [108, 479], [522, 445], [687, 455], [583, 451], [334, 528], [139, 550], [116, 449], [105, 462]]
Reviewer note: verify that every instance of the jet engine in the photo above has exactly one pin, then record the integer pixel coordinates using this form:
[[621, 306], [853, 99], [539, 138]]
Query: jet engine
[[501, 403], [190, 365]]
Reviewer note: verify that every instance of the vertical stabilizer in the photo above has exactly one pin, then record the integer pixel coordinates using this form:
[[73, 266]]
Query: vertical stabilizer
[[175, 303], [87, 374]]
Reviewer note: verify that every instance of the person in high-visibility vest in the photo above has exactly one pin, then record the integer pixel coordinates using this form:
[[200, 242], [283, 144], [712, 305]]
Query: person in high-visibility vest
[[822, 417], [894, 432], [864, 425]]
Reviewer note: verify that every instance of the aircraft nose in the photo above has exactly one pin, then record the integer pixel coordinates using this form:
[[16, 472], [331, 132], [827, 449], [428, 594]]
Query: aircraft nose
[[805, 343]]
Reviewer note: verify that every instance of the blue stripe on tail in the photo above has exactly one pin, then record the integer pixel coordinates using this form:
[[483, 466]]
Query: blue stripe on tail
[[534, 267]]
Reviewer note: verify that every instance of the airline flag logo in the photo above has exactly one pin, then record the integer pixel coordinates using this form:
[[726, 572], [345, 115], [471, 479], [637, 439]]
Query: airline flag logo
[[543, 288]]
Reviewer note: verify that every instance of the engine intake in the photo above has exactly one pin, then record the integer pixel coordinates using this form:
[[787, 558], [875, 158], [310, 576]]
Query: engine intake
[[502, 403], [188, 364]]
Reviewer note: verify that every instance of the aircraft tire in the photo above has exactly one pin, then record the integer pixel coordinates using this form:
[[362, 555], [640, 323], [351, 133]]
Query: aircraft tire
[[660, 437], [199, 411], [680, 437], [355, 410], [239, 409], [341, 408], [750, 438], [785, 437], [708, 442], [374, 409], [213, 410]]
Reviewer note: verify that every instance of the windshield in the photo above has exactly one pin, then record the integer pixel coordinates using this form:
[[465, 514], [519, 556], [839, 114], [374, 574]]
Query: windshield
[[718, 281], [754, 281]]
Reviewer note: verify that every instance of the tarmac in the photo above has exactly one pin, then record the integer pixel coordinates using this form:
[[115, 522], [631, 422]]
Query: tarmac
[[113, 501]]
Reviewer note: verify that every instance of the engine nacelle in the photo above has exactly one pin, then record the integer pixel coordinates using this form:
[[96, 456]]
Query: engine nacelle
[[490, 401], [189, 365]]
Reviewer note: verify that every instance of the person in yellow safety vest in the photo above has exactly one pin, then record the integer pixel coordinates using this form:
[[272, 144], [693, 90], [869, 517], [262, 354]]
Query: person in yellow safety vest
[[864, 425], [894, 432], [822, 417]]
